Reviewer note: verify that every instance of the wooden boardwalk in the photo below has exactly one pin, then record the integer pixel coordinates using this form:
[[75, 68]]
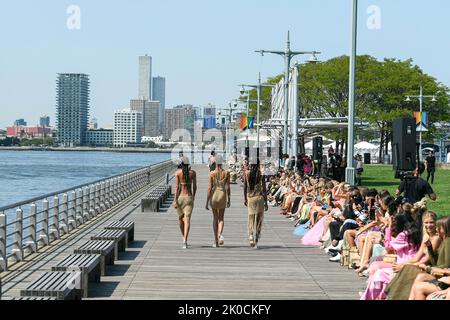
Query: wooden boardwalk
[[156, 267]]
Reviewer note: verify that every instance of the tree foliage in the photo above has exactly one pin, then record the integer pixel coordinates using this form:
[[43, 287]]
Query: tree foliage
[[381, 88]]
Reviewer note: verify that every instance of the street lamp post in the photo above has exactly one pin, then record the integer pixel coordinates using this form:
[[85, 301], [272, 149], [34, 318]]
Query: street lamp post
[[287, 54], [421, 97], [350, 170], [258, 102]]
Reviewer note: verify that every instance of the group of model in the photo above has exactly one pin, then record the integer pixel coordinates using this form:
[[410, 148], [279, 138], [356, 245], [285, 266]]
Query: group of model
[[218, 198]]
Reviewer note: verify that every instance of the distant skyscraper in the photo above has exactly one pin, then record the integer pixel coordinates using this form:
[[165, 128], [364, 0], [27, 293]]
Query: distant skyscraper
[[72, 108], [150, 116], [44, 121], [20, 122], [127, 127], [180, 117], [159, 94], [145, 77]]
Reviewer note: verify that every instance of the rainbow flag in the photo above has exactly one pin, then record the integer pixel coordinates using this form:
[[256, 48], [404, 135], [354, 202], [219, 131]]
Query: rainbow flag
[[243, 122], [421, 118], [251, 122]]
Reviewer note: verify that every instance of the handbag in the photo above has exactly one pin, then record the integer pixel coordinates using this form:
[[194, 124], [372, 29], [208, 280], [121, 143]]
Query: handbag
[[390, 258]]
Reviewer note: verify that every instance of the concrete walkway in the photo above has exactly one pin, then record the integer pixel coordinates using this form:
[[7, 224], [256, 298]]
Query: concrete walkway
[[156, 267]]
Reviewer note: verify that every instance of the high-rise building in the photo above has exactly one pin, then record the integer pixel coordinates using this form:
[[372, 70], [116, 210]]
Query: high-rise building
[[145, 77], [150, 116], [180, 117], [93, 124], [99, 137], [127, 127], [44, 121], [72, 108], [20, 122], [159, 94]]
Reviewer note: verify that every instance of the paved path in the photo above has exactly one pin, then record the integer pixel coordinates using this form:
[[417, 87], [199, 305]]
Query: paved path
[[156, 267]]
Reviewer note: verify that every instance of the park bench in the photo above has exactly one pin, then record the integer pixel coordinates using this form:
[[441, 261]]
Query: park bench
[[88, 264], [61, 285], [105, 248], [156, 198], [118, 236], [128, 226], [31, 298]]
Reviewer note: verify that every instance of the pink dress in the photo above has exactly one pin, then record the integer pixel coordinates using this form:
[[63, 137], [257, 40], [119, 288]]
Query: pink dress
[[381, 273], [312, 237]]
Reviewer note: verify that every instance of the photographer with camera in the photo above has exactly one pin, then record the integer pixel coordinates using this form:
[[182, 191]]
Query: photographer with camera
[[414, 187]]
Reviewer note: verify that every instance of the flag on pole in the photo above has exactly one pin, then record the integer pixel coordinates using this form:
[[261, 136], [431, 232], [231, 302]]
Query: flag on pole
[[421, 119], [243, 122], [251, 122]]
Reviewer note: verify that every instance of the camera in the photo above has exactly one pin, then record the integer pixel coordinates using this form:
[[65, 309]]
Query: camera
[[404, 174]]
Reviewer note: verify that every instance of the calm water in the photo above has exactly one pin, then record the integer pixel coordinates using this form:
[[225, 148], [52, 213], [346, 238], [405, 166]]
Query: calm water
[[28, 174]]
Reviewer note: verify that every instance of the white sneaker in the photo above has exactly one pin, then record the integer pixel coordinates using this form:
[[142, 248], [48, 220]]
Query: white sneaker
[[255, 246], [336, 258], [221, 240], [252, 242], [184, 245], [214, 245]]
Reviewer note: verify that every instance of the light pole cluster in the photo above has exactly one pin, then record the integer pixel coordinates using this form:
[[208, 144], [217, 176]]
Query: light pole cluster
[[288, 54], [258, 105], [420, 97]]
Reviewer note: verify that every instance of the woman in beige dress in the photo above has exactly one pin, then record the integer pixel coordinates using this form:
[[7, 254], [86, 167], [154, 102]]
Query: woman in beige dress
[[219, 198], [255, 196], [185, 189]]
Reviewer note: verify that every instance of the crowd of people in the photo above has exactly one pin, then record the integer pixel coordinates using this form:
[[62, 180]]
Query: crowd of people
[[401, 247]]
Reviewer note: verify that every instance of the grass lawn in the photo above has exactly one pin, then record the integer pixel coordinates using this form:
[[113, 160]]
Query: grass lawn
[[382, 177]]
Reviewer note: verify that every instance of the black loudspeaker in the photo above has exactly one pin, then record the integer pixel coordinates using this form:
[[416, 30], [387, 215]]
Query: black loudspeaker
[[366, 158], [317, 148], [280, 149], [404, 144]]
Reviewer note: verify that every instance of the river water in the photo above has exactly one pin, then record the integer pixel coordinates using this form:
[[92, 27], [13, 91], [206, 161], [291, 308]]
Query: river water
[[28, 174]]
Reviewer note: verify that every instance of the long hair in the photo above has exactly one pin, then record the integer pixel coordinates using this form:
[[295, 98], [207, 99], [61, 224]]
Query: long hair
[[185, 168], [254, 175], [403, 223], [389, 202], [444, 223]]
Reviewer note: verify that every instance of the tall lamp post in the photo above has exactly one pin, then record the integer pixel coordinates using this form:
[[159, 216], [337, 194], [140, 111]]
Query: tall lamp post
[[258, 102], [421, 97], [287, 54], [350, 170], [248, 100]]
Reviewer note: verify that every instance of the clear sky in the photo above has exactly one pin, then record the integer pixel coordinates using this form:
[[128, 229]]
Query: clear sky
[[204, 48]]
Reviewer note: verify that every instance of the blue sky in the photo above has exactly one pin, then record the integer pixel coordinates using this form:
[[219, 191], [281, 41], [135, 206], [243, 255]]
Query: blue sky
[[204, 48]]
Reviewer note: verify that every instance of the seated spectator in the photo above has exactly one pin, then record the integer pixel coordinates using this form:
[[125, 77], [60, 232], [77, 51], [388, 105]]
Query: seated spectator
[[427, 283]]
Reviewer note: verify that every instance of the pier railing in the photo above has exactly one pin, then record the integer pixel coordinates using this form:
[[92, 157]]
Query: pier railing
[[27, 226]]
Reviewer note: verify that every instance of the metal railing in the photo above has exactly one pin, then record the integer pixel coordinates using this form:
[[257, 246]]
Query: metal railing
[[29, 225]]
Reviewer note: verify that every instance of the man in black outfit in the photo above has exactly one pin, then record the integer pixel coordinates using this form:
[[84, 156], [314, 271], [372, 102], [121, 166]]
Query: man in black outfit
[[415, 188], [430, 164]]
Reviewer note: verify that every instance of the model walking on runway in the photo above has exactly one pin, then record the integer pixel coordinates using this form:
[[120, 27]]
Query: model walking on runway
[[219, 198], [185, 189]]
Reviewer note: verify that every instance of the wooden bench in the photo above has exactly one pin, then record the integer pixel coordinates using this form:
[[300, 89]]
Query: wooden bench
[[104, 248], [156, 198], [118, 236], [88, 264], [60, 285], [128, 226], [31, 298]]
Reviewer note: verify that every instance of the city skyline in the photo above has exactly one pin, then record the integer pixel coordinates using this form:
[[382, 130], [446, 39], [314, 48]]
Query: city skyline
[[203, 55]]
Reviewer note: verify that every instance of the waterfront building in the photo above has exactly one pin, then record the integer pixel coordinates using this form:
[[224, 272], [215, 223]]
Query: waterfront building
[[159, 94], [145, 77], [44, 121], [20, 122], [180, 117], [127, 127], [72, 108], [24, 132], [93, 124], [99, 137], [150, 116]]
